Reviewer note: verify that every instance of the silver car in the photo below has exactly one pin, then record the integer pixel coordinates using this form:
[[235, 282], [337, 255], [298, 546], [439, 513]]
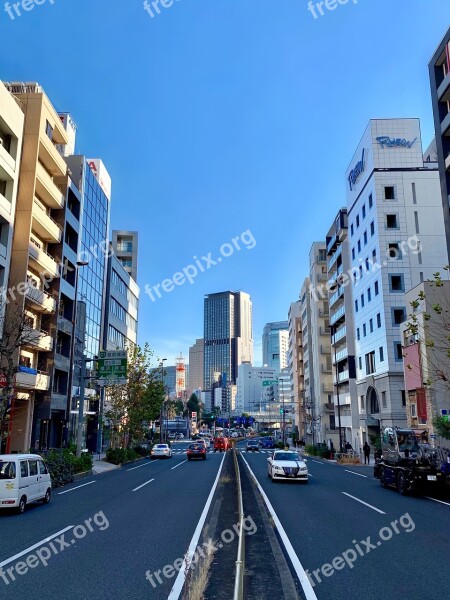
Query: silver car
[[161, 451]]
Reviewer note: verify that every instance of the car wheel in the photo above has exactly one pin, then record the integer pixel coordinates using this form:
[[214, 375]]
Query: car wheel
[[48, 496], [401, 483], [22, 505], [383, 481]]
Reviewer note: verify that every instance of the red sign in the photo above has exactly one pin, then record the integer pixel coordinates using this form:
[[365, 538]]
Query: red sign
[[421, 403]]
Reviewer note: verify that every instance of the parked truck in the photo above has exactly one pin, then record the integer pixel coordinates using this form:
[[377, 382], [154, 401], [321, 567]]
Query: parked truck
[[409, 464]]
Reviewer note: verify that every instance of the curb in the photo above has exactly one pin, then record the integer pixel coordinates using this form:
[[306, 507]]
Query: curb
[[82, 475]]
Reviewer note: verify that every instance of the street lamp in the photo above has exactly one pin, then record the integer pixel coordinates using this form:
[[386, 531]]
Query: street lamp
[[79, 263], [161, 416]]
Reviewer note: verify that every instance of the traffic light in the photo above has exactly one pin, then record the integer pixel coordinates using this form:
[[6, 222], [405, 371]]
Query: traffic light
[[281, 411]]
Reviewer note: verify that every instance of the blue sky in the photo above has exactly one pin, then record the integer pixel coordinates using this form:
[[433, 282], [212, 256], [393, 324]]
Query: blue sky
[[217, 117]]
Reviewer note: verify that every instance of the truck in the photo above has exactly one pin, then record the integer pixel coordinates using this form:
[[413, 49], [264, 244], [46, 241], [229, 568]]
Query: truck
[[409, 464], [221, 443]]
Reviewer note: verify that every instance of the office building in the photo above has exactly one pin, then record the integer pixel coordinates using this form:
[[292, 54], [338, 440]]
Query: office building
[[255, 388], [346, 412], [125, 244], [228, 336], [275, 345], [439, 69], [397, 240], [196, 360]]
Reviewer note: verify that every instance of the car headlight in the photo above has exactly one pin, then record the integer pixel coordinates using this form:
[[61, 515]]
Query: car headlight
[[277, 468], [303, 469]]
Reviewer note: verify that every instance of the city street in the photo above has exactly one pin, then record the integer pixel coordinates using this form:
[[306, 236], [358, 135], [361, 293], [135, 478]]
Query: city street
[[151, 510], [339, 508]]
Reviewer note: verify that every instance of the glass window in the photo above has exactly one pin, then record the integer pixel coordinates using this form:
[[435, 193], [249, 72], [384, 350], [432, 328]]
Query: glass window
[[378, 320], [33, 467], [23, 468], [363, 211], [381, 351], [43, 468], [389, 192], [370, 201], [7, 470], [391, 222]]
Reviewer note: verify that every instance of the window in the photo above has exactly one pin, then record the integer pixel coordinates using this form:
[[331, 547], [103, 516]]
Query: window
[[413, 410], [362, 403], [398, 316], [394, 252], [381, 352], [356, 306], [332, 422], [396, 283], [383, 400], [360, 363], [374, 255], [364, 330], [49, 130], [403, 393], [398, 351], [365, 238], [358, 334], [367, 264], [370, 201], [421, 275], [389, 192], [370, 363], [379, 320], [416, 221], [364, 211], [42, 468], [372, 228], [23, 468], [353, 254], [369, 295], [391, 222], [414, 193], [371, 325], [360, 271], [352, 229], [357, 221], [377, 291], [33, 467], [362, 300], [359, 245]]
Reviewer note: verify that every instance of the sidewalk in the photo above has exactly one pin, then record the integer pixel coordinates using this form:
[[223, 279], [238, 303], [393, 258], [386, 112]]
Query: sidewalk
[[100, 466]]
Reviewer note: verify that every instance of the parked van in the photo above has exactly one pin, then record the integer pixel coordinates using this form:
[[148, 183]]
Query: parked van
[[24, 478]]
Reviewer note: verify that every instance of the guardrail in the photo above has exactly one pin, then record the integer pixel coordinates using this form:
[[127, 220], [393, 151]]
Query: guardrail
[[240, 559]]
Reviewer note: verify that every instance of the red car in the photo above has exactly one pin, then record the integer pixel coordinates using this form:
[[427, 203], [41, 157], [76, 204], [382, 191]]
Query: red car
[[221, 443], [196, 451]]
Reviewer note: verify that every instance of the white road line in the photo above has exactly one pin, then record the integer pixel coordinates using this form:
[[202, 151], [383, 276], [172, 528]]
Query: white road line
[[434, 500], [141, 486], [353, 473], [176, 466], [303, 578], [317, 462], [177, 588], [144, 465], [47, 539], [365, 503], [75, 488]]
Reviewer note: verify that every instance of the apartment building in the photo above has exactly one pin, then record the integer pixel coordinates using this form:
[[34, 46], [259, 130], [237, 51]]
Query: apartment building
[[439, 69], [397, 239], [295, 366], [346, 414], [125, 244], [35, 259]]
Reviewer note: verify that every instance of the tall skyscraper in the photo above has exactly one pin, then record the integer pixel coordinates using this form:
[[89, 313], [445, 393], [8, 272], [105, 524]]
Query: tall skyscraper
[[275, 345], [228, 335], [196, 359]]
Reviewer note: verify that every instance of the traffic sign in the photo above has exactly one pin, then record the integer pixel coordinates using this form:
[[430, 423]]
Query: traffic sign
[[269, 382], [112, 367]]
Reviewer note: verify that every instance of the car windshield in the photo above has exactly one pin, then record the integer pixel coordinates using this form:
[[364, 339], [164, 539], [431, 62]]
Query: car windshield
[[195, 446], [286, 456], [161, 446], [7, 470], [407, 441]]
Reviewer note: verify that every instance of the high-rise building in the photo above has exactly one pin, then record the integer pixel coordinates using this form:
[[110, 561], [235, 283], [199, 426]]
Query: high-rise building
[[346, 413], [228, 336], [397, 239], [125, 244], [275, 345], [196, 359], [255, 388], [439, 69], [295, 365], [36, 253]]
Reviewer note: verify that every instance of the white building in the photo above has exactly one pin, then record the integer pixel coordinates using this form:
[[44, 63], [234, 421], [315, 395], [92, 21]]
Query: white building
[[252, 394], [275, 345], [397, 240]]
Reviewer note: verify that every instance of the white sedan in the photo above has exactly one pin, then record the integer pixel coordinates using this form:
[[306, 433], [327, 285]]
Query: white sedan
[[161, 451], [284, 464]]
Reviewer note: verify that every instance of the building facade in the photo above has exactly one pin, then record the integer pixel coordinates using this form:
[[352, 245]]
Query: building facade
[[125, 244], [275, 345], [196, 360], [397, 239], [228, 335], [295, 365], [255, 388]]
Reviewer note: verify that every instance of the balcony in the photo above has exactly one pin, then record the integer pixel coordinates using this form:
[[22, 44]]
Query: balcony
[[6, 157], [324, 331], [47, 188], [37, 339], [45, 227], [41, 260], [342, 355], [335, 297], [443, 87], [334, 258], [50, 157], [447, 163], [41, 300], [340, 334], [338, 316], [445, 124], [31, 379], [327, 388], [343, 376], [332, 243], [344, 400]]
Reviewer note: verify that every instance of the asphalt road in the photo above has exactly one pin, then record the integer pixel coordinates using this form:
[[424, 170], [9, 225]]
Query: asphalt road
[[328, 517], [143, 517]]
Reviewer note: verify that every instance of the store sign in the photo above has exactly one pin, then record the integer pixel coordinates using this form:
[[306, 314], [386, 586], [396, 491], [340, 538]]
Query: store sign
[[387, 142], [357, 171]]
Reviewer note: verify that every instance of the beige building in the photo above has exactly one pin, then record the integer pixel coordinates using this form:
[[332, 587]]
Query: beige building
[[196, 358], [295, 366], [35, 261]]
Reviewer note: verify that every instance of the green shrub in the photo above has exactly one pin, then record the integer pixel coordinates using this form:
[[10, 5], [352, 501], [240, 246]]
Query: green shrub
[[279, 445], [324, 453], [311, 450], [60, 467], [121, 455]]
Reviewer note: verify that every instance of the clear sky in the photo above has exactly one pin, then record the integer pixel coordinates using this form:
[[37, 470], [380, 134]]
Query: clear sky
[[218, 117]]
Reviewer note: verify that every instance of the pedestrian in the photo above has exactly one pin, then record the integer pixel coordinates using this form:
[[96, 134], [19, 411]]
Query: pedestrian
[[366, 450], [331, 450], [348, 447]]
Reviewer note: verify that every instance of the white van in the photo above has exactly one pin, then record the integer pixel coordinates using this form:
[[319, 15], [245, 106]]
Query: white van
[[24, 478]]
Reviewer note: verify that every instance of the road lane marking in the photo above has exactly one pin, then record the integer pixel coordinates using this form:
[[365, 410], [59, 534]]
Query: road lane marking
[[177, 588], [176, 466], [365, 503], [51, 537], [75, 488], [144, 465], [353, 472], [141, 486], [435, 500], [300, 571], [317, 462]]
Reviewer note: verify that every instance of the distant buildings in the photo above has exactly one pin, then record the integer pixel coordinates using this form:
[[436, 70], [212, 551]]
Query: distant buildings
[[255, 388], [275, 345], [125, 244], [196, 360]]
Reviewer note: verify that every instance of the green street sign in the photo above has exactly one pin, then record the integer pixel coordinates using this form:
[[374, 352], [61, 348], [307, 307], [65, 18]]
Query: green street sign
[[112, 366], [266, 383]]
